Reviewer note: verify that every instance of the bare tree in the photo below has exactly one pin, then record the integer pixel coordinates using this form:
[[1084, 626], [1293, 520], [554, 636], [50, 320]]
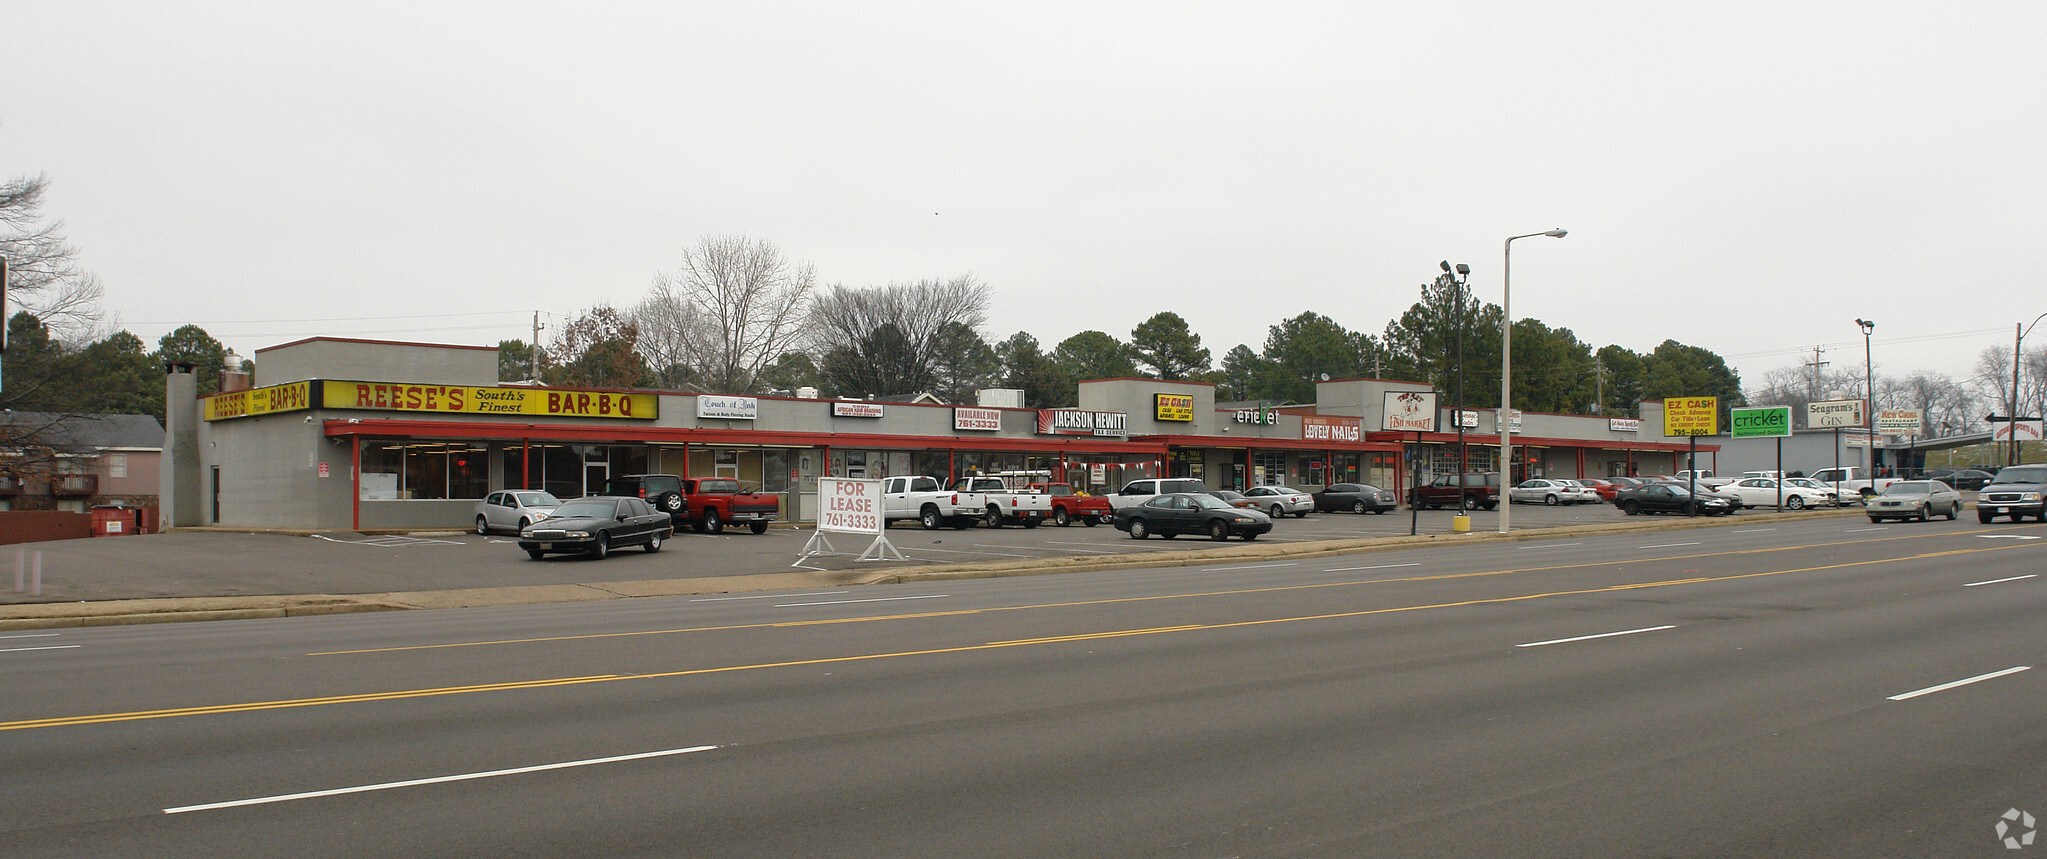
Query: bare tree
[[890, 340], [42, 272], [1947, 405], [732, 308], [1993, 378]]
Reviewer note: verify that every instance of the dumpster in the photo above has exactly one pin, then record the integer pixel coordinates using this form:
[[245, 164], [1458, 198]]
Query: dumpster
[[145, 520], [113, 521]]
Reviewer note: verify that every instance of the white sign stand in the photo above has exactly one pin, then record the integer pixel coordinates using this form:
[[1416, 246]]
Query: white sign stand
[[850, 507]]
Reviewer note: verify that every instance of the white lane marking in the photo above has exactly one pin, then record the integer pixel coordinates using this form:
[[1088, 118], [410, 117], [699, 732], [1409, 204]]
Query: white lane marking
[[770, 596], [2005, 537], [288, 797], [391, 542], [1247, 567], [1860, 530], [1551, 545], [958, 552], [1751, 530], [872, 599], [1373, 567], [48, 647], [2002, 581], [1600, 635], [1963, 682], [1668, 545], [34, 635], [1031, 548]]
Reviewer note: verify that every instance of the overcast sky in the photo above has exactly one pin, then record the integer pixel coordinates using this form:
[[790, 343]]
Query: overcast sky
[[1748, 178]]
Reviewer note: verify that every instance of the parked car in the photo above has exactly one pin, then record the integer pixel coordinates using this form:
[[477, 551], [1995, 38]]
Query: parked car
[[1235, 499], [1826, 491], [1480, 491], [1070, 505], [1142, 489], [1763, 492], [1190, 513], [1965, 479], [1281, 500], [595, 525], [2017, 491], [514, 509], [1540, 490], [1605, 489], [1915, 499], [1355, 497], [703, 503], [1662, 497]]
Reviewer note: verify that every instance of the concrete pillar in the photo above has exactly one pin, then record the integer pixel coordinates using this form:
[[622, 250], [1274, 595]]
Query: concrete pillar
[[178, 481]]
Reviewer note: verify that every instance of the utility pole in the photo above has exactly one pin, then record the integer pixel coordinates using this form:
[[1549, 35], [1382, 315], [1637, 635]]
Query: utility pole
[[534, 358], [1812, 394], [1598, 383]]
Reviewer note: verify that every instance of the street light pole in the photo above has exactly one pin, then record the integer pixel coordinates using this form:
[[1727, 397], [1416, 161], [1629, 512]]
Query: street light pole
[[1457, 407], [1869, 395], [1507, 368], [2012, 455]]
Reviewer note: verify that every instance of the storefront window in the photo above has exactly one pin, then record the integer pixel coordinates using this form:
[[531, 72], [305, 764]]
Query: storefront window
[[424, 470]]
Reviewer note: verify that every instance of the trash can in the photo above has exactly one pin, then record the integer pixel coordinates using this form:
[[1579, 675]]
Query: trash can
[[145, 520], [113, 521]]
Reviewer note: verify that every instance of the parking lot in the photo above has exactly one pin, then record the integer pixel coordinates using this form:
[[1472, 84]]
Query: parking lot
[[215, 563]]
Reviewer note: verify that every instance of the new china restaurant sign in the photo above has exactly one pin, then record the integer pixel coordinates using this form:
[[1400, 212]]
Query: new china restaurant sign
[[1081, 422]]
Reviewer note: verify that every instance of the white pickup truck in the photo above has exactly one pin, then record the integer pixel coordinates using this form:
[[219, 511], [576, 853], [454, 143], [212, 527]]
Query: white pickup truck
[[995, 504], [1854, 480], [921, 498]]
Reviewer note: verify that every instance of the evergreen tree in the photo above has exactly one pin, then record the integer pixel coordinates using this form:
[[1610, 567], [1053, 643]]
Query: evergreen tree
[[1164, 344]]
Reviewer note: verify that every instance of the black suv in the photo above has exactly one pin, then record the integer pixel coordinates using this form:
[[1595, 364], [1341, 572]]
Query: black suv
[[663, 491], [2017, 491]]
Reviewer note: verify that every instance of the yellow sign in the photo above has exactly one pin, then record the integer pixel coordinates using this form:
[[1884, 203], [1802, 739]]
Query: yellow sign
[[1691, 416], [288, 397], [463, 399], [1173, 407]]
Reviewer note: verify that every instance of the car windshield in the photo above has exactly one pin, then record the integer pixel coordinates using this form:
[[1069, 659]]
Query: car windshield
[[1912, 487], [1061, 490], [537, 499], [1209, 502], [2022, 474], [597, 509]]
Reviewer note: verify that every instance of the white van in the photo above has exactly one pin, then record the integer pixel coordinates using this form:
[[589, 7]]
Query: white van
[[1139, 491]]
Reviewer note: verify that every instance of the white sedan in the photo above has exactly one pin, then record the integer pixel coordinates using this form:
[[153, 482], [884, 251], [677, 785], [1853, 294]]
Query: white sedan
[[1281, 500], [1552, 492], [1762, 492]]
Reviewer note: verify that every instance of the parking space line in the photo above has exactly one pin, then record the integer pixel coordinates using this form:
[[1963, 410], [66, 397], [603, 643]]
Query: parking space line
[[45, 647], [1860, 530], [770, 596], [2002, 581], [1551, 546], [261, 800], [869, 599], [1598, 635], [958, 552], [34, 635], [1962, 682], [1373, 567], [1247, 567], [1668, 545], [1753, 531]]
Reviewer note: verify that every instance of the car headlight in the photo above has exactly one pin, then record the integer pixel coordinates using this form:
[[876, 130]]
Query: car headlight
[[579, 535], [2029, 496]]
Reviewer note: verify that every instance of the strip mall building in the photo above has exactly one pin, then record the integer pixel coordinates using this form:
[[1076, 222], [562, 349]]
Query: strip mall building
[[354, 434]]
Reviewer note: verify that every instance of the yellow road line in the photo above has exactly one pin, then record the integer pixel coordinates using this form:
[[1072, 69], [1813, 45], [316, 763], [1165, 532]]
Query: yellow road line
[[1116, 600], [870, 657]]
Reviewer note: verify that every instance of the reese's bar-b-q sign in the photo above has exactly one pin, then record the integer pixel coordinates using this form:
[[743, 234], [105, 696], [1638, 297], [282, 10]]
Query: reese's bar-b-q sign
[[463, 399]]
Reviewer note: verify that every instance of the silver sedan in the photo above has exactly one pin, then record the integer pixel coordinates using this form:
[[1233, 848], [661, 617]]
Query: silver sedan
[[1281, 500], [514, 509], [1552, 492], [1915, 499]]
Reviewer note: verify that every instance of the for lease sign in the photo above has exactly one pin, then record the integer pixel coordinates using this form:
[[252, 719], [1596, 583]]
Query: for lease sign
[[1685, 416], [849, 506]]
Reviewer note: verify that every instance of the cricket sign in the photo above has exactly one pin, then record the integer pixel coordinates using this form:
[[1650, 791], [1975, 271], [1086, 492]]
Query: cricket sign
[[1691, 416], [1766, 422], [850, 507], [1409, 411]]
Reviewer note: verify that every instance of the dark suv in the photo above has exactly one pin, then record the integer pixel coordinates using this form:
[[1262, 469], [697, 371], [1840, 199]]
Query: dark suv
[[1481, 491], [2017, 491], [663, 491]]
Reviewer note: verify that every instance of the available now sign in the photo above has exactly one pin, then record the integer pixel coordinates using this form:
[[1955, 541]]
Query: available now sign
[[1760, 422]]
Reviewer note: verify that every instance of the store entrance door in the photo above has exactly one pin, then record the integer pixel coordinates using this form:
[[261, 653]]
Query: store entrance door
[[594, 475]]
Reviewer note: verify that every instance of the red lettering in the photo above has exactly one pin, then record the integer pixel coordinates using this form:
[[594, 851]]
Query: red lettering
[[383, 396], [625, 405], [431, 395], [455, 398], [582, 404], [554, 403], [604, 404]]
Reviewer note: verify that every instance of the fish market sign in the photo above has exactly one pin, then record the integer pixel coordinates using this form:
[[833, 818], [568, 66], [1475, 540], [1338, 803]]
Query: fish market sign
[[1409, 411], [1081, 422]]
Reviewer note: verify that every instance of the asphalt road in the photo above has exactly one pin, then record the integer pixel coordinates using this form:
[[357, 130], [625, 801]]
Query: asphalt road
[[193, 563], [1778, 688]]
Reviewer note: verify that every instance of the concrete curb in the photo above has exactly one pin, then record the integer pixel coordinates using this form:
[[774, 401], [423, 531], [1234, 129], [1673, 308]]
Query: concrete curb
[[19, 616]]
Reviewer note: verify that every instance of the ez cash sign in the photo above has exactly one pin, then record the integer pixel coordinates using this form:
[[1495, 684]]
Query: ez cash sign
[[1691, 416]]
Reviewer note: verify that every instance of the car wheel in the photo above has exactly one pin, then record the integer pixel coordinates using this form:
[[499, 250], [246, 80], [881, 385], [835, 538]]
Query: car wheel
[[1217, 531], [1985, 517], [1032, 523], [1301, 515], [1630, 508], [1060, 517], [1278, 512], [535, 554], [961, 523], [2016, 516], [1092, 521], [758, 526], [1357, 507], [993, 518], [1875, 520], [712, 523], [654, 543], [1954, 511], [1925, 513], [670, 503], [601, 548], [482, 525], [1550, 500], [930, 518], [1795, 502], [1249, 537], [1138, 530]]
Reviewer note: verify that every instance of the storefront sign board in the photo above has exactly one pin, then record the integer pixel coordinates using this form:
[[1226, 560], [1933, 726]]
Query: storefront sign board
[[1173, 407], [1623, 424], [856, 410], [465, 399], [1833, 413], [1409, 411], [290, 397], [1764, 422], [1691, 416], [1081, 422], [849, 506], [728, 408], [1900, 421], [1320, 428], [983, 420]]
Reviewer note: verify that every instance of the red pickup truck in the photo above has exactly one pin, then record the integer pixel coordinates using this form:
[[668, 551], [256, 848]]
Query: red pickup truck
[[1069, 505], [703, 503]]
